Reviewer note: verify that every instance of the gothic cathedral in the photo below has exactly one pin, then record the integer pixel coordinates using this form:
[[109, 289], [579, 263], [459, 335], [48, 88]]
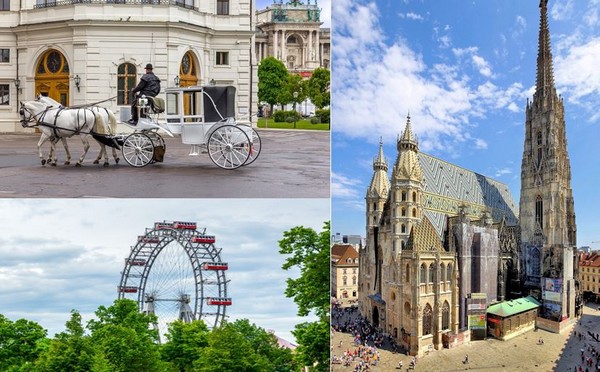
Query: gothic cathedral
[[444, 243]]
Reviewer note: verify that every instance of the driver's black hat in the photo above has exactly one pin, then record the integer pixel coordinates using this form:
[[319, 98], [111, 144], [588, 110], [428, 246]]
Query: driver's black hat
[[149, 66]]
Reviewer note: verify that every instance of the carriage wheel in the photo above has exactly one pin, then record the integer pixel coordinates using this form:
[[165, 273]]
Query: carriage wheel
[[229, 147], [255, 144], [138, 150]]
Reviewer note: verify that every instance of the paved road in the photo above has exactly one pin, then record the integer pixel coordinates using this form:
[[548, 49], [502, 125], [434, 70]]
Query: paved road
[[292, 164], [560, 352]]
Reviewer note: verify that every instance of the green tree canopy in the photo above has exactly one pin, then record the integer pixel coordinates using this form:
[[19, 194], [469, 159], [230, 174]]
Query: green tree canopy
[[21, 342], [184, 342], [69, 350], [123, 338], [294, 83], [319, 88], [309, 251], [272, 77]]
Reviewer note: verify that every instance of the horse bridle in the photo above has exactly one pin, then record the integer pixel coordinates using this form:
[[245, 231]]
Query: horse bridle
[[32, 116]]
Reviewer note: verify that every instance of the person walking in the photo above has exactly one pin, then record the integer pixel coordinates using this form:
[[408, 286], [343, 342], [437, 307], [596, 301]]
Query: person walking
[[149, 85]]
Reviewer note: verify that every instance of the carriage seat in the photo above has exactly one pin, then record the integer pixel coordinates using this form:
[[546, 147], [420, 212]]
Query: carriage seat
[[157, 104]]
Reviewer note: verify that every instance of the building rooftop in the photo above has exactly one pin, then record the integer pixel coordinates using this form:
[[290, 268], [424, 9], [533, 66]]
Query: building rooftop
[[344, 255], [512, 307]]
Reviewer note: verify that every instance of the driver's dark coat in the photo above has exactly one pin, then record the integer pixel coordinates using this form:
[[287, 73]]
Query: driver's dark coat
[[149, 85]]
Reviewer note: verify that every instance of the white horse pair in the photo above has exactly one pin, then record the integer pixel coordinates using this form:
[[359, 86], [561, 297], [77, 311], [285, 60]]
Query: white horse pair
[[58, 123]]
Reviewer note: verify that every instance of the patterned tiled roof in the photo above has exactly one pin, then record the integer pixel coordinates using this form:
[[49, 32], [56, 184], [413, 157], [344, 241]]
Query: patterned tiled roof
[[590, 260], [448, 187], [423, 237]]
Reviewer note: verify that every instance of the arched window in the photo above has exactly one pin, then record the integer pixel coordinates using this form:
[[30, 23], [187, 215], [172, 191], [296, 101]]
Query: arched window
[[414, 196], [353, 280], [539, 138], [393, 296], [431, 273], [403, 212], [403, 228], [414, 212], [445, 315], [539, 211], [403, 195], [423, 274], [407, 273], [535, 262], [427, 316], [449, 273], [126, 81], [345, 280], [442, 273]]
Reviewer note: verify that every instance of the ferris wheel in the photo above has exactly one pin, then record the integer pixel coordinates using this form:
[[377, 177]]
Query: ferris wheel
[[175, 272]]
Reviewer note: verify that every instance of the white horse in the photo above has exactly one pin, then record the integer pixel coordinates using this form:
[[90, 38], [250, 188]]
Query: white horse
[[60, 123], [109, 119]]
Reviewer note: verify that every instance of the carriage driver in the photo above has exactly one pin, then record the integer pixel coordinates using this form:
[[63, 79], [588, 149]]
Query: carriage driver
[[149, 85]]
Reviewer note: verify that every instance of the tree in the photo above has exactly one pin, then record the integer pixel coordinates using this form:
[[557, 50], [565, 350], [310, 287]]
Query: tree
[[318, 87], [123, 338], [184, 342], [230, 350], [309, 252], [294, 84], [68, 351], [21, 342], [272, 76]]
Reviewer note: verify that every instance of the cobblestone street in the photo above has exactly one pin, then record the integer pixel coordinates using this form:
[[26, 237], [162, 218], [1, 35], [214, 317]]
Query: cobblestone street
[[560, 352]]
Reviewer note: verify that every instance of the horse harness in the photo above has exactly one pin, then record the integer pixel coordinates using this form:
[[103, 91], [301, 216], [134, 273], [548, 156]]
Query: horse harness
[[55, 128]]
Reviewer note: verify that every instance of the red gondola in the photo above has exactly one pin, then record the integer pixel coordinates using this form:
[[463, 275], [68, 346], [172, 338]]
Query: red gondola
[[207, 239], [184, 225], [224, 301], [215, 266], [136, 262], [163, 225], [128, 289]]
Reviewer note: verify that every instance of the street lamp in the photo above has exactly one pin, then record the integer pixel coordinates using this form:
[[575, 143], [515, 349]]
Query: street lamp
[[77, 81], [17, 83], [177, 80], [295, 98]]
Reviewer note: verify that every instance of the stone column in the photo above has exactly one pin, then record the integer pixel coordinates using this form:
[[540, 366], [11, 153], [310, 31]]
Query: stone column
[[275, 44], [310, 48], [283, 51], [317, 43]]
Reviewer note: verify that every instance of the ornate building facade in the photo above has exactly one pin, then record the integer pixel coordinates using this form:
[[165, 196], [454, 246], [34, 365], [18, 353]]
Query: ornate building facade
[[444, 243], [292, 33], [79, 52]]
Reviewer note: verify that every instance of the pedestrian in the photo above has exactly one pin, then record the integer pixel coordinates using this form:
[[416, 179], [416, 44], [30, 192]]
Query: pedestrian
[[466, 359]]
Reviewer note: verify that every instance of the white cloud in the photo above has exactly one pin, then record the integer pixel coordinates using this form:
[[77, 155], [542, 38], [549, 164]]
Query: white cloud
[[376, 84], [345, 187], [411, 15], [502, 172], [561, 11], [481, 144]]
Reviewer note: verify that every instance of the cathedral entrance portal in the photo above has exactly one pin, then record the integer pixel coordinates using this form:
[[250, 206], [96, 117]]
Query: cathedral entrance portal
[[376, 316]]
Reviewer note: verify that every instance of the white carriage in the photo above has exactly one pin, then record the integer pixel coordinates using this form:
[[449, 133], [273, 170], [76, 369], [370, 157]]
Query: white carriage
[[204, 119]]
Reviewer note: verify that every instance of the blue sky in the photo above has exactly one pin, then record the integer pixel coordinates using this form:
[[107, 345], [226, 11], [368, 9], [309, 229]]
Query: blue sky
[[64, 254], [464, 70], [325, 6]]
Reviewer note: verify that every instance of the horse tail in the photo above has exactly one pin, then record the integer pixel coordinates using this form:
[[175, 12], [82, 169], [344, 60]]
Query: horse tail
[[112, 120], [99, 124]]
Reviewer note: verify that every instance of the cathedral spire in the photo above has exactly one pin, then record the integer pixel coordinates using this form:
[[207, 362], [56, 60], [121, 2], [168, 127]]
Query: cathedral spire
[[379, 163], [408, 141], [545, 75]]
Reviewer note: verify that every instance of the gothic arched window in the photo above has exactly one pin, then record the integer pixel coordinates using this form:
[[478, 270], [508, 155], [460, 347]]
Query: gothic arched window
[[431, 273], [423, 274], [407, 272], [445, 315], [414, 196], [535, 261], [539, 210], [442, 273], [427, 316], [449, 273], [403, 195], [403, 228], [414, 212], [403, 212]]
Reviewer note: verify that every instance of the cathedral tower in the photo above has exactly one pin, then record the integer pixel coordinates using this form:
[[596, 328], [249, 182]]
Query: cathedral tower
[[546, 209], [407, 186], [378, 189]]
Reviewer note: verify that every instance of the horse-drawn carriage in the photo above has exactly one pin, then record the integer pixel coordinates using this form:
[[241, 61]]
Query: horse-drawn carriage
[[202, 116]]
